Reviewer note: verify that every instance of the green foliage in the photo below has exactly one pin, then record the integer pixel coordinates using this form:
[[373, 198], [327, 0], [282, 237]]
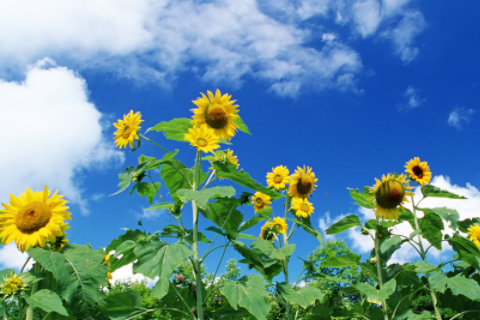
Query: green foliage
[[201, 197], [344, 224], [174, 129], [48, 301], [432, 191]]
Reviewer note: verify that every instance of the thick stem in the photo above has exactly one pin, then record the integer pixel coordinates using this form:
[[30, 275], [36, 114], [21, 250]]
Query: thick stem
[[285, 272], [4, 310], [29, 312], [197, 269], [380, 277]]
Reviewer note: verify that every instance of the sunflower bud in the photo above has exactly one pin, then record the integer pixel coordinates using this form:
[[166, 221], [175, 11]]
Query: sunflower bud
[[372, 261], [365, 231], [180, 278]]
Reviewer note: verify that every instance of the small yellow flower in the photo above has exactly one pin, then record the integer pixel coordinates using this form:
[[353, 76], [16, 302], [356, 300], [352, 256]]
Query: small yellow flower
[[127, 129], [217, 112], [302, 182], [202, 138], [226, 156], [267, 233], [279, 225], [390, 193], [278, 178], [474, 232], [12, 285], [302, 207], [60, 241], [135, 174], [260, 201], [106, 260], [418, 171]]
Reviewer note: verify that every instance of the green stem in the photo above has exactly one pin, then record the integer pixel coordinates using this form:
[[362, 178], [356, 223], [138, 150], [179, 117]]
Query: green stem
[[25, 264], [29, 313], [153, 142], [380, 277], [462, 313], [196, 260], [285, 261], [181, 298], [4, 310]]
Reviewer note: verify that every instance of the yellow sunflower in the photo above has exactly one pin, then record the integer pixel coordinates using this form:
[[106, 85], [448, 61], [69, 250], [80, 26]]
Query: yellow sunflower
[[33, 218], [202, 138], [12, 285], [278, 178], [474, 232], [127, 129], [217, 112], [279, 225], [302, 207], [260, 201], [267, 233], [61, 241], [390, 193], [419, 171], [302, 182], [225, 156]]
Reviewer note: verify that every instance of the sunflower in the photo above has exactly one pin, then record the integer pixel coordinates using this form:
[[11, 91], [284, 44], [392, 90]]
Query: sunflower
[[279, 225], [267, 233], [419, 171], [278, 178], [225, 156], [61, 241], [390, 193], [127, 129], [202, 138], [12, 285], [217, 112], [260, 201], [302, 207], [302, 182], [474, 232], [33, 218], [106, 261]]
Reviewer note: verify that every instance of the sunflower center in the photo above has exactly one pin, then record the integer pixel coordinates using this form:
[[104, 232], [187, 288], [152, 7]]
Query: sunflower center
[[418, 171], [201, 142], [278, 178], [304, 185], [216, 116], [32, 217], [390, 194], [304, 207], [126, 132], [258, 201]]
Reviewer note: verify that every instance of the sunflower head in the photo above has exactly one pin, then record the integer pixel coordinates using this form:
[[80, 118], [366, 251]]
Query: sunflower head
[[225, 157], [260, 201], [418, 171], [474, 234], [390, 193], [33, 218], [302, 207], [267, 232], [302, 182], [278, 178], [203, 138], [279, 225], [217, 112], [12, 285], [127, 129]]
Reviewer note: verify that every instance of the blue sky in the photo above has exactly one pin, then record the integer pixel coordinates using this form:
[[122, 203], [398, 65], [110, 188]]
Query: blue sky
[[351, 88]]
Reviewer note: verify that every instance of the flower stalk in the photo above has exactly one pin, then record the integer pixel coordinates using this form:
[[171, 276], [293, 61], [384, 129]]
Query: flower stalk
[[196, 259], [379, 272]]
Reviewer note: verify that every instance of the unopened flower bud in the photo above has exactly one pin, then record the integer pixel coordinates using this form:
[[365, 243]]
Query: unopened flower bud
[[180, 278], [365, 232], [372, 260], [380, 235], [217, 299]]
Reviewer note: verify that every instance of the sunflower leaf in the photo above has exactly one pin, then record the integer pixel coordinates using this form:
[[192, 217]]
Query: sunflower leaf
[[268, 248], [305, 297], [344, 224], [224, 214], [465, 224], [307, 226], [241, 125], [362, 198], [201, 197], [431, 191], [449, 215], [122, 305], [349, 259], [48, 301], [458, 285], [432, 226], [174, 129]]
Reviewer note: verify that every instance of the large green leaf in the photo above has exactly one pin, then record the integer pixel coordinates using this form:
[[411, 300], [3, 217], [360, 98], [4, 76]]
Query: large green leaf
[[431, 191], [248, 293], [305, 296], [307, 226], [224, 214], [229, 171], [145, 189], [122, 305], [424, 267], [362, 198], [250, 223], [78, 271], [391, 243], [349, 259], [202, 197], [124, 245], [344, 224], [268, 267], [465, 224], [449, 215], [377, 295], [458, 285], [174, 129], [432, 226], [268, 248], [48, 301], [174, 174], [158, 258], [241, 125], [464, 246]]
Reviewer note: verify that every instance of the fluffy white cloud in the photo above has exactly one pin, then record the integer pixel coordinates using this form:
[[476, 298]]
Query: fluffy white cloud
[[459, 117], [50, 132], [12, 258], [125, 273], [413, 99]]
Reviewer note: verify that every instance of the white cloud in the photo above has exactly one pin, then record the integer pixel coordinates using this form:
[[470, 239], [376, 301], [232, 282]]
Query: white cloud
[[413, 99], [458, 117], [125, 273], [152, 214], [367, 16], [12, 258], [50, 133]]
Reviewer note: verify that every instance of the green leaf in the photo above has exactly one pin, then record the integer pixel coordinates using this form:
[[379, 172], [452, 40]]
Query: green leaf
[[129, 235], [229, 171], [377, 295], [465, 224], [464, 246], [124, 244], [174, 129], [122, 305], [432, 226], [344, 224], [202, 197], [458, 285], [163, 205], [145, 189], [158, 258], [48, 301], [248, 293], [449, 215], [423, 267], [265, 213], [390, 243], [268, 267], [304, 297], [241, 125], [362, 198], [250, 223], [349, 259], [273, 252], [431, 191], [407, 215], [174, 175], [78, 271], [224, 214], [307, 226]]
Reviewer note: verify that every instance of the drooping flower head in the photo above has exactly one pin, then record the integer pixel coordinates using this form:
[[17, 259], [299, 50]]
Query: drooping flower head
[[267, 232], [33, 218], [474, 232], [61, 241], [302, 182], [302, 207], [203, 138], [217, 112], [279, 225], [127, 129], [418, 171], [260, 201], [225, 156], [12, 285], [390, 193], [278, 178]]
